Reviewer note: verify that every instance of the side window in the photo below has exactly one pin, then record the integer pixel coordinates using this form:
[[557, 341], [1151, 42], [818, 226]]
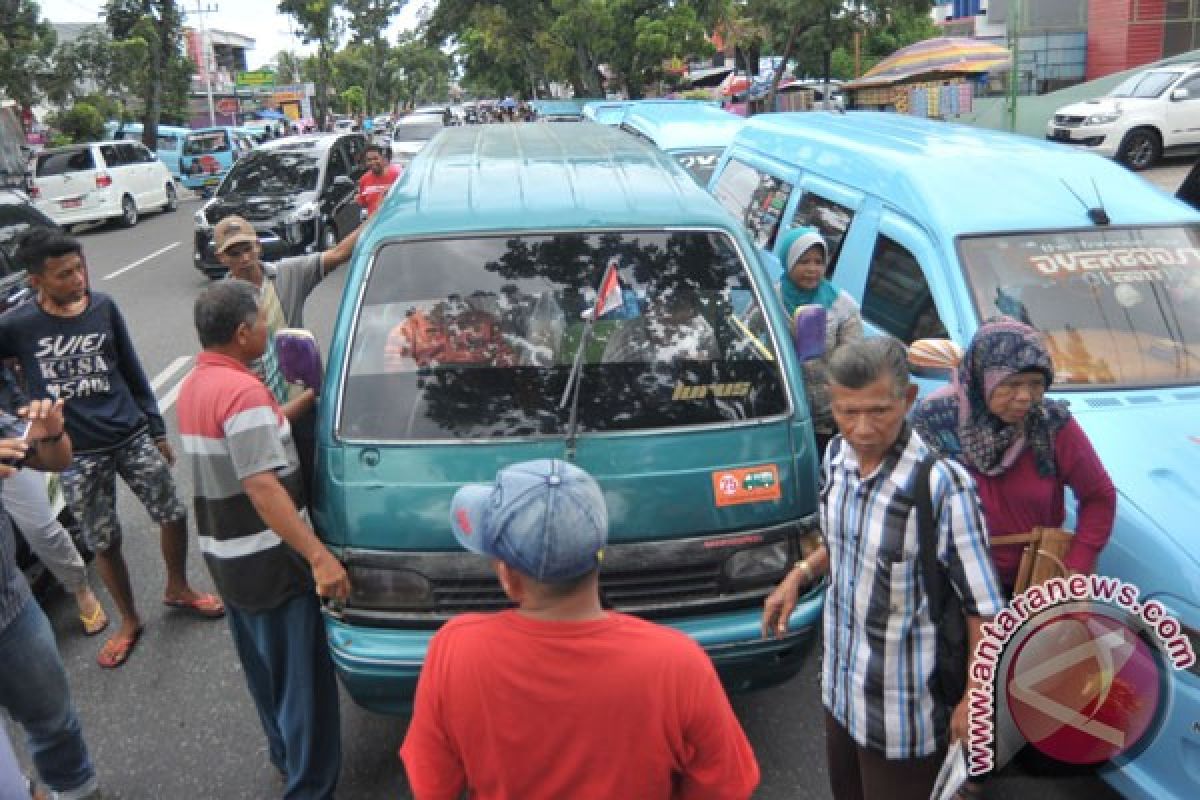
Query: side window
[[143, 155], [897, 296], [1192, 84], [755, 198], [337, 164], [356, 146], [111, 156], [828, 217]]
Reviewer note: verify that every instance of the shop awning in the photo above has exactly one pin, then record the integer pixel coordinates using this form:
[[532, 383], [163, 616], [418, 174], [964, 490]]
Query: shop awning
[[945, 54]]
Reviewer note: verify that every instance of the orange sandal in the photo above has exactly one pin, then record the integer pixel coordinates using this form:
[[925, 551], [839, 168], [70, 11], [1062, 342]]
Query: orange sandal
[[116, 650], [94, 622], [204, 605]]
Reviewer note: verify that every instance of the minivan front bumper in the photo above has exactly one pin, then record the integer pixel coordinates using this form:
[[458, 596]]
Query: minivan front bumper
[[379, 666]]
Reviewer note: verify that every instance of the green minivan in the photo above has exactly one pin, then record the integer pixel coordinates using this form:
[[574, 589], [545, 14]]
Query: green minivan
[[472, 335]]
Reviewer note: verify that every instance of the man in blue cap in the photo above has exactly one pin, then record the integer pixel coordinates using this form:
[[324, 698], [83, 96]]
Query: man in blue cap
[[558, 697]]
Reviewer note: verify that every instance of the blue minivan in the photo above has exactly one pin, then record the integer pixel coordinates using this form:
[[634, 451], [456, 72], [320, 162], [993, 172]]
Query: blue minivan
[[208, 153], [170, 142], [694, 133], [935, 227], [463, 316]]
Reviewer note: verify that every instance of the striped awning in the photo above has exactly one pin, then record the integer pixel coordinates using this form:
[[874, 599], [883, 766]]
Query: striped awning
[[945, 54]]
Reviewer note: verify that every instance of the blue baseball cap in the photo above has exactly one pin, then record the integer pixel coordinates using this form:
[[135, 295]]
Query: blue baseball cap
[[544, 518]]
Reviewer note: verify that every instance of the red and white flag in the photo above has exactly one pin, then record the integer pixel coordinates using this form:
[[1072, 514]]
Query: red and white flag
[[609, 298]]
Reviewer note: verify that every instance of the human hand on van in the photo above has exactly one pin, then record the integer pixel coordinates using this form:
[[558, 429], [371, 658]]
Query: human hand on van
[[780, 603], [330, 576]]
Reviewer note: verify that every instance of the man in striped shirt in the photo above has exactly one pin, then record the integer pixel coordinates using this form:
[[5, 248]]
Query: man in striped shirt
[[885, 733], [257, 542]]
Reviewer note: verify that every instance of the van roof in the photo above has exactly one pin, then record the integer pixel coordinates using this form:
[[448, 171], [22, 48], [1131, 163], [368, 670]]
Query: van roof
[[681, 124], [958, 179], [542, 177]]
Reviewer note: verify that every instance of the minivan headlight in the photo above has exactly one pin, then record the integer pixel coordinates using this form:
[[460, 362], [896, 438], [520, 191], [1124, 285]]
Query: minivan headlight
[[1103, 119], [388, 589], [306, 212], [758, 564]]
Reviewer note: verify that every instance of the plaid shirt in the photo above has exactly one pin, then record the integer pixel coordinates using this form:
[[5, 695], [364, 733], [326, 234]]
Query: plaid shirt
[[879, 640]]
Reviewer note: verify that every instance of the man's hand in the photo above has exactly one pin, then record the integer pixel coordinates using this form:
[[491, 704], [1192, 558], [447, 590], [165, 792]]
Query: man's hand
[[299, 405], [960, 718], [779, 604], [47, 418], [168, 453], [330, 576], [12, 451]]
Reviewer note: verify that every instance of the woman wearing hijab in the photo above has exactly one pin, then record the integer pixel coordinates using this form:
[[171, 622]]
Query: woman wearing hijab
[[1022, 449], [803, 253]]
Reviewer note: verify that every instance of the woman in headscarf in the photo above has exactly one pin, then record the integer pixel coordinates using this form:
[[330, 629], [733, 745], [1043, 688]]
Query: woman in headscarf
[[804, 255], [1022, 449]]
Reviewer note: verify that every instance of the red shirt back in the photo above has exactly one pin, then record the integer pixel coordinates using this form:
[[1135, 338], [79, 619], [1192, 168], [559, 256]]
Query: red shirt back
[[372, 187], [512, 708]]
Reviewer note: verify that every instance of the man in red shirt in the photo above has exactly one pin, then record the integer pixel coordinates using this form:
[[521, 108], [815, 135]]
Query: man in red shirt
[[376, 181], [558, 697]]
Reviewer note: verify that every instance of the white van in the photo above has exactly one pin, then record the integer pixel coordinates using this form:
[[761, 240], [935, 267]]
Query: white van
[[114, 180]]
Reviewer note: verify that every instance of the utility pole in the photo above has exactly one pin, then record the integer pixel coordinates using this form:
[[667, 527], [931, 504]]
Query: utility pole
[[1014, 73], [206, 44]]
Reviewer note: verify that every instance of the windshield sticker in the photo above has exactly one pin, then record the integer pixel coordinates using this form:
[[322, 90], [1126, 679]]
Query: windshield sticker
[[733, 487], [685, 392], [1121, 264]]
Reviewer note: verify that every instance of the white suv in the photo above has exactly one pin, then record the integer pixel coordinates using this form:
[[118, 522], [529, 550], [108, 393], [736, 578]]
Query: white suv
[[1152, 112], [101, 181]]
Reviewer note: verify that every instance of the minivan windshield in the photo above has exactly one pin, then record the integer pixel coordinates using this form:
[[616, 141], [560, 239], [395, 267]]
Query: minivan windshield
[[417, 130], [1120, 307], [475, 338], [198, 144], [272, 172], [1151, 83]]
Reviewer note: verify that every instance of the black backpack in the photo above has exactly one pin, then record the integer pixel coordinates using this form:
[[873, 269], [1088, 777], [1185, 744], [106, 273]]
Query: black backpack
[[949, 680]]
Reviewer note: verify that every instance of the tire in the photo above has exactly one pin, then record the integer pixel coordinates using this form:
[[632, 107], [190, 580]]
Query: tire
[[172, 198], [1140, 149], [129, 212]]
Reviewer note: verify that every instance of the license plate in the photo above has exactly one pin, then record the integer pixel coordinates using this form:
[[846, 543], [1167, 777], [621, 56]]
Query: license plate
[[1063, 134], [71, 202], [211, 181]]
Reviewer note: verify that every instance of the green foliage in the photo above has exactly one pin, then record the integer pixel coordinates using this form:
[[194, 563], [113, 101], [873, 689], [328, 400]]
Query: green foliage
[[26, 44], [81, 122], [317, 23], [145, 60], [353, 100]]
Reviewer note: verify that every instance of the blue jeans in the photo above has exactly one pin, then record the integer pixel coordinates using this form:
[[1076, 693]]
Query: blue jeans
[[33, 687], [286, 660]]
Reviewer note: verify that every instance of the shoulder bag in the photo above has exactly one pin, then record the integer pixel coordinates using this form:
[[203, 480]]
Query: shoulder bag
[[1043, 557]]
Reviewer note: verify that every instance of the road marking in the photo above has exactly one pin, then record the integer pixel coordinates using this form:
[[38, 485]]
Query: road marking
[[140, 261], [170, 397], [169, 372]]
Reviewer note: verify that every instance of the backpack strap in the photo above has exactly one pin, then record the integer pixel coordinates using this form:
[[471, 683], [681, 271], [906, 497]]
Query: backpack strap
[[927, 537]]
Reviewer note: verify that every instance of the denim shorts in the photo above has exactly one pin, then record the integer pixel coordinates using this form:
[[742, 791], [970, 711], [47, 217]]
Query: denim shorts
[[90, 484]]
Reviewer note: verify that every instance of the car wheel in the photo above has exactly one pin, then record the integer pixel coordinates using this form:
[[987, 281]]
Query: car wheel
[[1140, 149], [172, 198], [129, 212]]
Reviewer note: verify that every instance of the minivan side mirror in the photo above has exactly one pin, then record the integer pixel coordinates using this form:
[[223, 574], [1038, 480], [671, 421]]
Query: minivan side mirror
[[808, 332], [1180, 94], [344, 181], [935, 359], [299, 358]]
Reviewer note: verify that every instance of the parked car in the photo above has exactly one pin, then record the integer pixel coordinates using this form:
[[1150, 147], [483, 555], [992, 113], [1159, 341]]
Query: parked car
[[560, 110], [115, 180], [1152, 112], [694, 134], [413, 132], [505, 274], [606, 112], [208, 153], [170, 142], [934, 228], [297, 192]]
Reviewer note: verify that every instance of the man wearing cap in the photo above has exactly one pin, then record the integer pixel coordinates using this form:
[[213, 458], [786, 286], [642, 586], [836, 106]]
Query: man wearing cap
[[283, 287], [558, 697]]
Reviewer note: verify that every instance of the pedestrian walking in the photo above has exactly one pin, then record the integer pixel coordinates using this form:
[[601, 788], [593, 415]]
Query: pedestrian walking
[[28, 504], [283, 288], [375, 182], [560, 698], [804, 255], [258, 545], [33, 680], [72, 344], [885, 733]]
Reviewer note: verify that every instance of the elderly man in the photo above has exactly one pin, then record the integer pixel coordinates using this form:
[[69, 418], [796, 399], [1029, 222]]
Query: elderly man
[[885, 733], [263, 555]]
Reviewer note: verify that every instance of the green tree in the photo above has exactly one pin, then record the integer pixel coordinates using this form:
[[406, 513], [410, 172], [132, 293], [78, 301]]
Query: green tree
[[353, 99], [26, 44], [368, 21], [287, 67], [317, 23], [418, 71], [166, 72], [82, 122]]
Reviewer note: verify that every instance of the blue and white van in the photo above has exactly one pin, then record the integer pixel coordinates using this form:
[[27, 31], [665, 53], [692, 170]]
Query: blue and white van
[[694, 133], [170, 142], [935, 227]]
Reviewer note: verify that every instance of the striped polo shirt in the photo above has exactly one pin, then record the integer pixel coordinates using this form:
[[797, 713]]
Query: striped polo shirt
[[879, 639], [232, 428]]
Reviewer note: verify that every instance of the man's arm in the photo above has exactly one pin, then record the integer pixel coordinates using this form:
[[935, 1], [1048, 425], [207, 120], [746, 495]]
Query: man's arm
[[340, 253], [275, 506], [960, 719], [135, 378], [434, 769], [720, 762], [49, 445], [782, 601]]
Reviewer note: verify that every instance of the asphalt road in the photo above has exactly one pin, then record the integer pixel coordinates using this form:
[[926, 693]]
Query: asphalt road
[[176, 721]]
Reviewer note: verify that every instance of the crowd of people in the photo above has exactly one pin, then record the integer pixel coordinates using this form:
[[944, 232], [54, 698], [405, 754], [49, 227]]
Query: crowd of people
[[557, 697]]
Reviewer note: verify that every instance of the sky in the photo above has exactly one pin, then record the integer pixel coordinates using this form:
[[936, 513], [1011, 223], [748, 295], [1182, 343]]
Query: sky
[[257, 18]]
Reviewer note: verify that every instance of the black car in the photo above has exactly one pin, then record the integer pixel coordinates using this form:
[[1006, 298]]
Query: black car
[[298, 193]]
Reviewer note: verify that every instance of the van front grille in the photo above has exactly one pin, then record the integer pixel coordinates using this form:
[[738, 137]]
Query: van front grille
[[1068, 121]]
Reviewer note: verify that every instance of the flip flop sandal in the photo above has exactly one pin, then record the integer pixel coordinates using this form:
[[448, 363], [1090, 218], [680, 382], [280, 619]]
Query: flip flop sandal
[[94, 622], [208, 606], [116, 650]]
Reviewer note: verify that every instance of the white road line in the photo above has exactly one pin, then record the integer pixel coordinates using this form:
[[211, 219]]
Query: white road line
[[140, 261], [169, 372], [170, 397]]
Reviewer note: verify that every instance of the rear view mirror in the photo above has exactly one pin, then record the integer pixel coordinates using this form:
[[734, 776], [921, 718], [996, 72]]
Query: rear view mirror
[[808, 332], [934, 358], [299, 358]]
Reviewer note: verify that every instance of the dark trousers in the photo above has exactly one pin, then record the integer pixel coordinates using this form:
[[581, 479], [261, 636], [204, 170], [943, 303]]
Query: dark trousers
[[856, 773], [286, 660]]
